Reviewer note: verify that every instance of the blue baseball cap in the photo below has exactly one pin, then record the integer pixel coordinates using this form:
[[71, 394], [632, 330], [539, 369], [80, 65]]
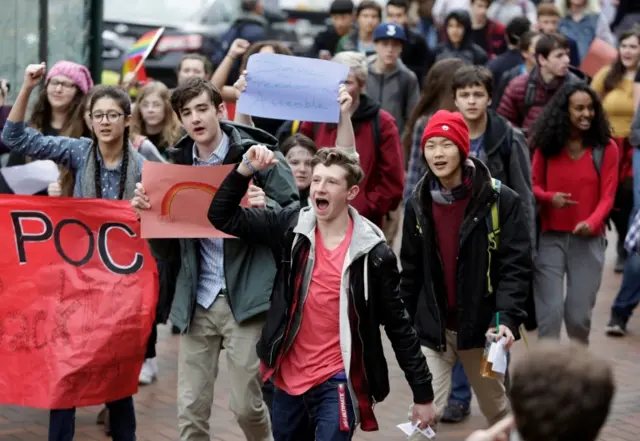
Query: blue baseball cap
[[386, 31]]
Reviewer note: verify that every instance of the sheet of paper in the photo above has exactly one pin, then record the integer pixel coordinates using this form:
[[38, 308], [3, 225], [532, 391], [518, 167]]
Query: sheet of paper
[[499, 363], [30, 178], [409, 429], [292, 88], [492, 352]]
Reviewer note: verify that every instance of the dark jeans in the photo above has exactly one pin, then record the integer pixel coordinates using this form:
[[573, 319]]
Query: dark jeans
[[151, 343], [122, 419], [321, 406], [629, 295], [305, 431], [460, 387], [621, 213]]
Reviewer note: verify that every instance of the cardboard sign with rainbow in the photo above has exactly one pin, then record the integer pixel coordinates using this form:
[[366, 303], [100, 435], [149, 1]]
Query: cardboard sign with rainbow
[[180, 196]]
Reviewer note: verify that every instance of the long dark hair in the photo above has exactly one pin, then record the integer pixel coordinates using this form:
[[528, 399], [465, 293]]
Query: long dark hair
[[77, 128], [42, 111], [123, 101], [436, 94], [617, 72], [551, 130]]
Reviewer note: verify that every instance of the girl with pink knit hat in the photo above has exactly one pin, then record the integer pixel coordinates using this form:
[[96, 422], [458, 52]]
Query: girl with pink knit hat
[[63, 93]]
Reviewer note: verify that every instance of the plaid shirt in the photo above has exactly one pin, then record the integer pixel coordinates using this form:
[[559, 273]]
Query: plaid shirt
[[417, 165], [633, 236]]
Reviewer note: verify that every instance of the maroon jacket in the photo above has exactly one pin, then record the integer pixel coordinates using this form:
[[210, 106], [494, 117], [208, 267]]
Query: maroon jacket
[[512, 105]]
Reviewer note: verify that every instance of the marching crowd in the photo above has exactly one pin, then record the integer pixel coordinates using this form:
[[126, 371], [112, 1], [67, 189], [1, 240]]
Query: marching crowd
[[468, 139]]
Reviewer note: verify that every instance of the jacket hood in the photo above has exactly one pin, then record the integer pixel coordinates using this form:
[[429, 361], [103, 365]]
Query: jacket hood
[[241, 137], [250, 17], [463, 18], [367, 109], [365, 234]]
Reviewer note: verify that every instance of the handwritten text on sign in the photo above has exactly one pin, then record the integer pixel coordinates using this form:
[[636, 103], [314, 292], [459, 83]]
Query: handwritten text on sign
[[78, 293], [292, 88]]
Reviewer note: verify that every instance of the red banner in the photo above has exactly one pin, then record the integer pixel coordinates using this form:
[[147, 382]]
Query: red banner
[[78, 292]]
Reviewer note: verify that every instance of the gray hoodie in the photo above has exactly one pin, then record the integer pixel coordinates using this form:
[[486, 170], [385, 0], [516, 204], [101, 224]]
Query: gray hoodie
[[397, 91]]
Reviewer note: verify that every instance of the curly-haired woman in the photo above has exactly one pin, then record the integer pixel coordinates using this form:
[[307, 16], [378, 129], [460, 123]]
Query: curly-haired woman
[[575, 174]]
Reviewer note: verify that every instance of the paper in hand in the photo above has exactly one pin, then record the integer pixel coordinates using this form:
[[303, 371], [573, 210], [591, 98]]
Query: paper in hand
[[30, 178], [409, 429]]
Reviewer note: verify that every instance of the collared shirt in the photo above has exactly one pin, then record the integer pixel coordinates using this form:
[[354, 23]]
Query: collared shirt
[[211, 280]]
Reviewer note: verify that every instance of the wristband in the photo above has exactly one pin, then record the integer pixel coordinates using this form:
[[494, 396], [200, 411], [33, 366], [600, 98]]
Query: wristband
[[248, 164]]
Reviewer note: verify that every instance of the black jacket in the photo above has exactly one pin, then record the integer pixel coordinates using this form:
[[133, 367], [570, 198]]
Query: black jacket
[[382, 307], [423, 286]]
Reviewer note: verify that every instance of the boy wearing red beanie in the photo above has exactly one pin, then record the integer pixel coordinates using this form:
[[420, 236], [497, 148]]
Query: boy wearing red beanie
[[455, 286]]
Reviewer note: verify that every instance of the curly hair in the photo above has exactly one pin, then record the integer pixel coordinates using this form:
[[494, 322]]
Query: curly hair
[[552, 128]]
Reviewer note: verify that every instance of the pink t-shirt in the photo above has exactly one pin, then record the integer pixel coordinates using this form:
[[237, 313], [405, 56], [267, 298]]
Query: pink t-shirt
[[315, 355]]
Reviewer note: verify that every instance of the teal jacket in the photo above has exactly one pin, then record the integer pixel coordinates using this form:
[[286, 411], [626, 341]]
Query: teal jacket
[[249, 269]]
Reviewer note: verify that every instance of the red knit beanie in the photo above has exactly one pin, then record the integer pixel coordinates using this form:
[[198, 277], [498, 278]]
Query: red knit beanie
[[450, 125]]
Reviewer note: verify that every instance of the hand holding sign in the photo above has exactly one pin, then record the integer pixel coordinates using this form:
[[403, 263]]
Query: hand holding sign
[[292, 88]]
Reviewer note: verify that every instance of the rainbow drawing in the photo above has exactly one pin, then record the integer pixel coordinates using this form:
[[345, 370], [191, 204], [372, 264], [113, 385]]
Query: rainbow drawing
[[170, 195]]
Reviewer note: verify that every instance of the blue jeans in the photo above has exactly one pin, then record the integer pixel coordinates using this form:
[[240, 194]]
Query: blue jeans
[[460, 387], [629, 295], [321, 406], [122, 419]]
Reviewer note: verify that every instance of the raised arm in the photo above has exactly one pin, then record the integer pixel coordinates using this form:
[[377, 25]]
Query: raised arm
[[237, 49], [67, 152], [265, 226], [345, 138]]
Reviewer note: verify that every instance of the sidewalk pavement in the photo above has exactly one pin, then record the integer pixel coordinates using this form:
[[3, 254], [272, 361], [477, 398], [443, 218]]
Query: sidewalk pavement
[[156, 406]]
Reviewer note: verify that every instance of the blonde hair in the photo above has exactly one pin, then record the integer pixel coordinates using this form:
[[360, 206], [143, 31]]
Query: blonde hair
[[171, 127], [357, 64], [591, 7]]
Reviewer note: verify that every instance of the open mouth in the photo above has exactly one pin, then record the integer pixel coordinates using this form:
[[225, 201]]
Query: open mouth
[[105, 132], [198, 130], [440, 164], [322, 204]]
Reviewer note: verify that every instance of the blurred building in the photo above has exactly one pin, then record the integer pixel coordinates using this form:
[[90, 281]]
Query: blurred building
[[48, 30]]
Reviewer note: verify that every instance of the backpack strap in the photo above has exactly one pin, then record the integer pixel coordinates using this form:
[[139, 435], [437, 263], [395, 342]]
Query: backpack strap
[[597, 154], [493, 229], [529, 94]]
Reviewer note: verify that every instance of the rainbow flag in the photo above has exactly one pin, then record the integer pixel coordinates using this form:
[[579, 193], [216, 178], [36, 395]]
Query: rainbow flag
[[139, 52]]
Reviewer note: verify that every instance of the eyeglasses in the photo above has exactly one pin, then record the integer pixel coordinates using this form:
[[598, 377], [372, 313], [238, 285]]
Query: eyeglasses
[[111, 116], [64, 84]]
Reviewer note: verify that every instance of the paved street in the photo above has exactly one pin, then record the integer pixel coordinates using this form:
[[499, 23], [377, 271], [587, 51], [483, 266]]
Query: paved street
[[156, 408]]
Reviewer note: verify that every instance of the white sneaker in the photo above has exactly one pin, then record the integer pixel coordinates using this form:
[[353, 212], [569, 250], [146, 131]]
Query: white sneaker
[[149, 372]]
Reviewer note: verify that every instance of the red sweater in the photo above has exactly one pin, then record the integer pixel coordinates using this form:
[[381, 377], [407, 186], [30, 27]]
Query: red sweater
[[595, 195], [447, 219], [383, 184]]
